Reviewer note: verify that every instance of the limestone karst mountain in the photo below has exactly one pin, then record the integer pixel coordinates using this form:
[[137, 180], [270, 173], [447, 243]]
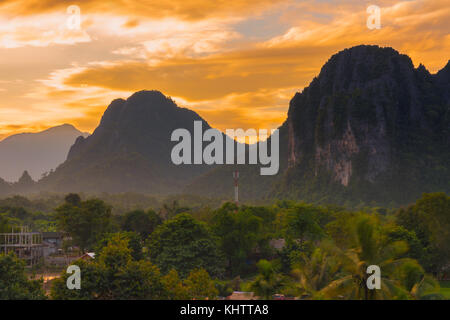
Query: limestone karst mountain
[[370, 128], [130, 150]]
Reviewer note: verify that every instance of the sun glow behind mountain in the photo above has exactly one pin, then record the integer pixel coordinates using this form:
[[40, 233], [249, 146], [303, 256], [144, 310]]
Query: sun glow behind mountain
[[236, 63]]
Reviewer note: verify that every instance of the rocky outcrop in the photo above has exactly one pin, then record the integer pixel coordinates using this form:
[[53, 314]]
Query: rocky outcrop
[[370, 127]]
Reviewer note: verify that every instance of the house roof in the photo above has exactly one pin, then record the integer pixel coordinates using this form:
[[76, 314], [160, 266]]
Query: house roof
[[52, 235], [88, 255], [277, 243], [241, 295]]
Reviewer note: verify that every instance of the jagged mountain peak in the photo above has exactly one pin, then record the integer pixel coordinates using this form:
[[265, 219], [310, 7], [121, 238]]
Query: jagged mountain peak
[[150, 96], [423, 70], [25, 178], [364, 123], [142, 100], [143, 107]]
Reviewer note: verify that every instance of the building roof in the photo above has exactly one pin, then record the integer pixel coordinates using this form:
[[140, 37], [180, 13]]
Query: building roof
[[88, 255], [241, 295], [277, 243], [46, 235]]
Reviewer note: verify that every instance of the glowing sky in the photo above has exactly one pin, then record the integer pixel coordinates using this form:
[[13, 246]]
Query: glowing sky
[[236, 62]]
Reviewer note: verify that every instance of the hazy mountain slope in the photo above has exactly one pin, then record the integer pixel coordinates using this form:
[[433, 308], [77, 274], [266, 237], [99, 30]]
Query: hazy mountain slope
[[131, 151], [36, 152], [219, 182], [5, 187]]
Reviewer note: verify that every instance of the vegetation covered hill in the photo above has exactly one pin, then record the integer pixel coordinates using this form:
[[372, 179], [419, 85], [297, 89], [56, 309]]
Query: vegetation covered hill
[[369, 128], [129, 151]]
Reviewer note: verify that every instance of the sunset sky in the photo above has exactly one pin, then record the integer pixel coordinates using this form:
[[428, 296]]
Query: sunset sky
[[236, 62]]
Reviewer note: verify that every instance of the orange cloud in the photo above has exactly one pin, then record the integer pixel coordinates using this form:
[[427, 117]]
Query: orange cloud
[[418, 28], [182, 9], [263, 109], [241, 88], [192, 51], [39, 30], [7, 130], [289, 60]]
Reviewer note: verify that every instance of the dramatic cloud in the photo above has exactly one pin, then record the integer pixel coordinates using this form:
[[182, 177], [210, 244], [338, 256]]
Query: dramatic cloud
[[237, 63], [186, 10], [209, 78], [40, 31]]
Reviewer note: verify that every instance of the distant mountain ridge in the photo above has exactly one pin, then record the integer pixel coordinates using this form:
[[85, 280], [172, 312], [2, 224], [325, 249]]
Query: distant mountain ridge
[[36, 153]]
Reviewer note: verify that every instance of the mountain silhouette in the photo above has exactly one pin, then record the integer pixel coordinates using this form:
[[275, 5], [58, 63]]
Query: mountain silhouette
[[130, 150]]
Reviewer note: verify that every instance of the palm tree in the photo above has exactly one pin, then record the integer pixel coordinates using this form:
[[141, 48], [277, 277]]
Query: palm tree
[[316, 271], [370, 251], [427, 289], [268, 280], [419, 284]]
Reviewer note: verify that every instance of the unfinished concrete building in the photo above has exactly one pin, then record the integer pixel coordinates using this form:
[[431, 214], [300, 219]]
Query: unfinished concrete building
[[25, 244]]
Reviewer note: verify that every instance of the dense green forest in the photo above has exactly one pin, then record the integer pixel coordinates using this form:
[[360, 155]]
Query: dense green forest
[[194, 248]]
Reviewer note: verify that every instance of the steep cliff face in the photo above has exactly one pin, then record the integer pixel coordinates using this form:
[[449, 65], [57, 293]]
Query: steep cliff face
[[369, 127]]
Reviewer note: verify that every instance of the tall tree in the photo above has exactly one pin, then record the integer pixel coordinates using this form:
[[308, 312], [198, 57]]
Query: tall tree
[[238, 234], [200, 286], [315, 271], [429, 218], [371, 250], [14, 284], [268, 280], [303, 223], [174, 287], [141, 222], [133, 239], [184, 244], [84, 221]]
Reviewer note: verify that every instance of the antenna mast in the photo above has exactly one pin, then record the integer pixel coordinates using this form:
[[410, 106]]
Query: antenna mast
[[236, 186]]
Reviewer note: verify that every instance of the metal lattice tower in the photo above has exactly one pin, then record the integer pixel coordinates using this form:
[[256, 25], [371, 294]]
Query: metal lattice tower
[[236, 187]]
